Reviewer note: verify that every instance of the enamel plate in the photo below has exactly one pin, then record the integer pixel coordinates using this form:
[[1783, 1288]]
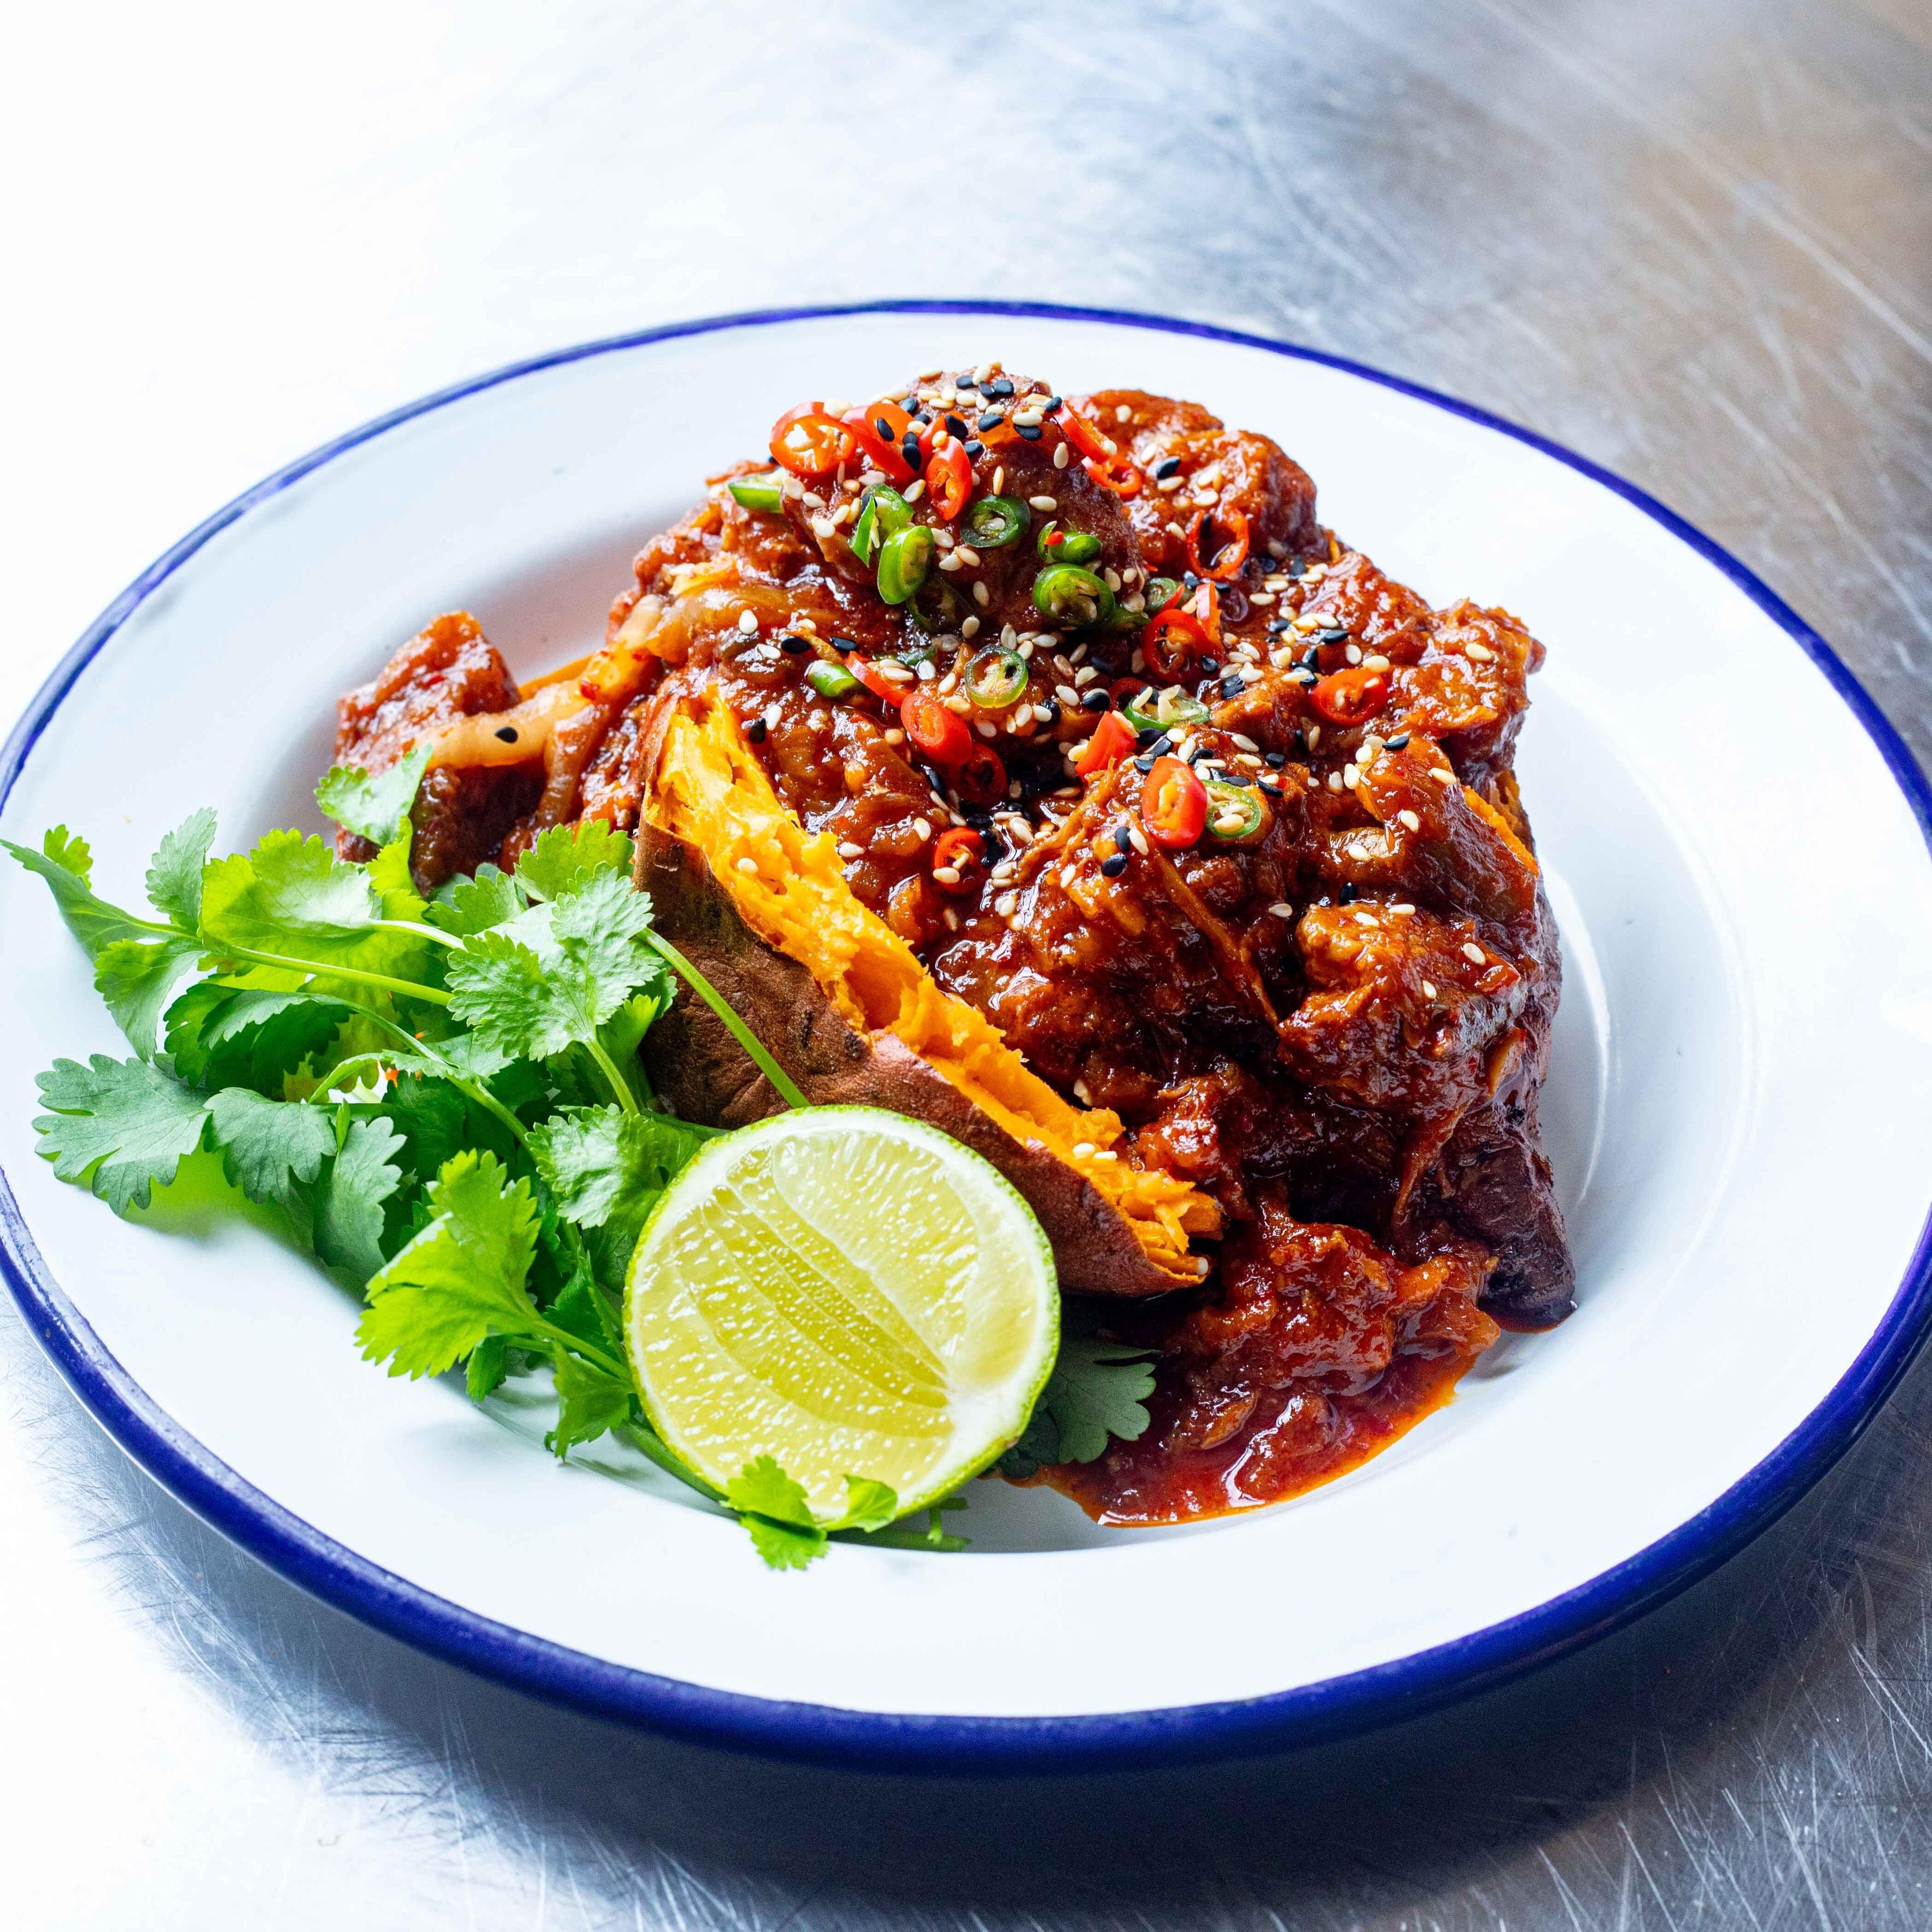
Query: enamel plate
[[1739, 1110]]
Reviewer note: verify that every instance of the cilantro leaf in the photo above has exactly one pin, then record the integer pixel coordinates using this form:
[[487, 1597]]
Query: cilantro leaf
[[488, 1368], [461, 1278], [174, 873], [564, 857], [121, 1124], [590, 1401], [65, 861], [137, 979], [764, 1489], [783, 1545], [268, 1146], [346, 1204], [395, 885], [869, 1505], [467, 905], [434, 1119], [601, 1162], [292, 895], [374, 806], [223, 1036], [581, 1311], [1097, 1389]]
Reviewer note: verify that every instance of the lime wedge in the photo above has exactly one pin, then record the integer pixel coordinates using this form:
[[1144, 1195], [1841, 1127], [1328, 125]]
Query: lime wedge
[[850, 1292]]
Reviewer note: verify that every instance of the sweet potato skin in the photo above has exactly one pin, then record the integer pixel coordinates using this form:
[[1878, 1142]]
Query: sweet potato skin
[[704, 1074]]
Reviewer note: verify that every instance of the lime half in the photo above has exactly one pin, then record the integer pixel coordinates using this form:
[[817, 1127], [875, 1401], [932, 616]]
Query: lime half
[[850, 1292]]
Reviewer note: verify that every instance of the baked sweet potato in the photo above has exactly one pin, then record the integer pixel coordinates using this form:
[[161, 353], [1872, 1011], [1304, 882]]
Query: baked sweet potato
[[760, 907]]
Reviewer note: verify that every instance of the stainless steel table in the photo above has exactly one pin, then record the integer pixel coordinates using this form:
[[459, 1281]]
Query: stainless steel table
[[1694, 241]]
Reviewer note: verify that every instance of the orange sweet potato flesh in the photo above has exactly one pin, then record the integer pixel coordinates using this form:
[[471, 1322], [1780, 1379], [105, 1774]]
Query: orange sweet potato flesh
[[843, 1005]]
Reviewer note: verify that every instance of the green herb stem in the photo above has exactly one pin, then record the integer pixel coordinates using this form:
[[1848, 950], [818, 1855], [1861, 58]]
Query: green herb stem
[[620, 1087], [321, 969], [787, 1089]]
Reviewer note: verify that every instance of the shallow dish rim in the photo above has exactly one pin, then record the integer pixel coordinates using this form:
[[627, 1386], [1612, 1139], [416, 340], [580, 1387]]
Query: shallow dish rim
[[1333, 1707]]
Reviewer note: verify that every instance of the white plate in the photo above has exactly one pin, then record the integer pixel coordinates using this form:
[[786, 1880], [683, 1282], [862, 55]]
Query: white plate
[[1739, 1110]]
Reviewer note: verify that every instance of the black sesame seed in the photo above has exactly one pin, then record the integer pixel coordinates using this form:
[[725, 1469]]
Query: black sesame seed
[[1334, 634], [1096, 701], [1188, 581], [1275, 759], [1144, 764], [1161, 745], [756, 729], [1398, 742], [991, 419], [975, 451], [1166, 467], [957, 424], [1051, 403], [1114, 866], [1233, 685], [1031, 431], [793, 643], [1000, 385], [1311, 658], [909, 449], [1123, 838], [1052, 711], [1212, 666], [508, 733], [966, 382], [1278, 625], [910, 404], [844, 644], [1237, 778], [884, 428], [1347, 895]]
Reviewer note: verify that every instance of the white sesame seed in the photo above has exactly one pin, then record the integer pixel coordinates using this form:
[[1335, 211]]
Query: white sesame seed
[[1227, 822], [980, 596], [950, 561], [1246, 743], [1314, 735], [946, 875], [1122, 413], [1429, 989], [748, 866], [1334, 781], [1408, 818], [772, 715], [898, 673], [999, 479], [1066, 694], [1474, 953], [1083, 1150], [1375, 662], [985, 730], [915, 489], [957, 703], [1353, 652], [813, 500], [923, 827], [1062, 456], [1403, 911], [1441, 776], [747, 621], [1044, 503], [1261, 596], [926, 672], [968, 555], [969, 627], [823, 526], [1281, 910], [1004, 904], [1481, 652], [1282, 658], [1137, 839], [1351, 775], [1172, 483], [894, 735], [847, 850]]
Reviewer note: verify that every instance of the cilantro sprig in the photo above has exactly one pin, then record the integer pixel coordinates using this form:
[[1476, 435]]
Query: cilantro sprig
[[443, 1097]]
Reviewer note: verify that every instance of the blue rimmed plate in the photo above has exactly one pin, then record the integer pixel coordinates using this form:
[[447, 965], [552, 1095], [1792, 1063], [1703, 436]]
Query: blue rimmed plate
[[1736, 844]]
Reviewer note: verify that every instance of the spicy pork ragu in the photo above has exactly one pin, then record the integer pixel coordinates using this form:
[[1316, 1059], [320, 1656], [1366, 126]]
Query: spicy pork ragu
[[1074, 705]]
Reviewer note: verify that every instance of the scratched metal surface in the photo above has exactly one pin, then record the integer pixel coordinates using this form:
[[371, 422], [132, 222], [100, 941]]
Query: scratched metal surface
[[1693, 240]]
